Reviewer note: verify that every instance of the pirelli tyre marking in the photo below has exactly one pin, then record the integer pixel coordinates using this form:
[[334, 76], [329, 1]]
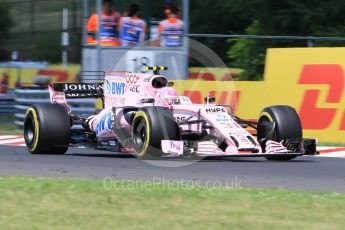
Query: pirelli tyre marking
[[142, 115], [265, 114], [33, 146]]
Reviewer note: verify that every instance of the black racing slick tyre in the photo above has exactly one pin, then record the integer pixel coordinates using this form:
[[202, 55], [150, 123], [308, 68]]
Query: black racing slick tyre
[[47, 129], [278, 123], [150, 126]]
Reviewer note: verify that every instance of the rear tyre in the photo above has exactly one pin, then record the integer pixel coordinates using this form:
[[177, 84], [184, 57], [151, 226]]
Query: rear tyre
[[150, 126], [47, 129], [278, 123]]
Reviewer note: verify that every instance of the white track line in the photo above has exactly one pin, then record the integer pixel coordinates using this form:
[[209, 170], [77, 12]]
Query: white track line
[[12, 140], [331, 151], [4, 137]]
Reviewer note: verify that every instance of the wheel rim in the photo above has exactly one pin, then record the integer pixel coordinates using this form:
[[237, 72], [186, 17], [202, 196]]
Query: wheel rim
[[29, 131], [269, 132], [140, 135]]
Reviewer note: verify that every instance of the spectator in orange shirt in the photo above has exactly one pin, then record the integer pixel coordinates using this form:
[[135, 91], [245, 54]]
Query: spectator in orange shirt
[[4, 83], [132, 28], [171, 30], [109, 26]]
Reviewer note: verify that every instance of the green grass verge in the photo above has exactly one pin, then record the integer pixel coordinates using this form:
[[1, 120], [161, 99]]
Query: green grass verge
[[9, 128], [85, 204]]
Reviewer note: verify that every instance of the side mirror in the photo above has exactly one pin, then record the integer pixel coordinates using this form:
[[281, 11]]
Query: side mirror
[[209, 99]]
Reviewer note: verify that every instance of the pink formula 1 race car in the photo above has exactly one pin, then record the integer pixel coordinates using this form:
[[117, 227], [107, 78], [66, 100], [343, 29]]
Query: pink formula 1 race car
[[143, 115]]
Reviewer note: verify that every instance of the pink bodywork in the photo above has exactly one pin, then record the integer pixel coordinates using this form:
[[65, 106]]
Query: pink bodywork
[[129, 89]]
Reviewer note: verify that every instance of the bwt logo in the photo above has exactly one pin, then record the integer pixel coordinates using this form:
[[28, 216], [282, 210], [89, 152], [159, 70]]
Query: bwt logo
[[117, 88]]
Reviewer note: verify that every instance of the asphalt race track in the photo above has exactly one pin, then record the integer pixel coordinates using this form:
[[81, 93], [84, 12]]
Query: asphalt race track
[[303, 173]]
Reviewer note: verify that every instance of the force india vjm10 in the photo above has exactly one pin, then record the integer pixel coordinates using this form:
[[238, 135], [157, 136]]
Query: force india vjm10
[[143, 115]]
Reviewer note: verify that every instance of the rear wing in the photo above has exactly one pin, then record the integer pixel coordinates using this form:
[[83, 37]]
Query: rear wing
[[94, 89], [80, 90], [59, 92]]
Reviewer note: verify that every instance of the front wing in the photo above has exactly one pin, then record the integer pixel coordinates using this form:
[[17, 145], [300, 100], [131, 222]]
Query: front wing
[[290, 147]]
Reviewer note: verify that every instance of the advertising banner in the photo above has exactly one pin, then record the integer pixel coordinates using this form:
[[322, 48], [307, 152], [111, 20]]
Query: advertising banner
[[309, 79]]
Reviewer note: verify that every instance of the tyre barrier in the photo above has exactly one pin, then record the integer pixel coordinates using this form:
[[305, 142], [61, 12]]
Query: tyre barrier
[[24, 98], [7, 108]]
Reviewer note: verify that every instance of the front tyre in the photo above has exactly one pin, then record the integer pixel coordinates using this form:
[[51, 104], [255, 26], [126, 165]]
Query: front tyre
[[47, 129], [150, 126], [278, 123]]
